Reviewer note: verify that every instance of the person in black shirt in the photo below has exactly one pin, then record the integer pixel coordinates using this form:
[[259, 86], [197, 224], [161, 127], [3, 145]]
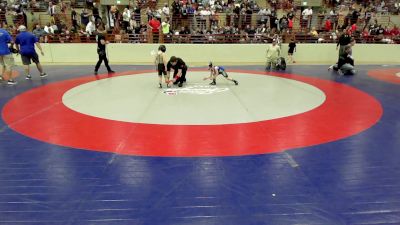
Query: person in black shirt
[[180, 68], [292, 48], [101, 51], [343, 41], [74, 18], [346, 62]]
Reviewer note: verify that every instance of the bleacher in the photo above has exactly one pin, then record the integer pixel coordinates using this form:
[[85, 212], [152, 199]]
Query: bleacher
[[209, 29]]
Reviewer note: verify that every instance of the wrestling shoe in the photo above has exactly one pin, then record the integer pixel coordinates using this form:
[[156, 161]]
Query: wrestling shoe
[[11, 82]]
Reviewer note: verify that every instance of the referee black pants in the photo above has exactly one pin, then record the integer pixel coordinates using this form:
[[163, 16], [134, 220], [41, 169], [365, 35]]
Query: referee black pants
[[181, 79], [101, 58]]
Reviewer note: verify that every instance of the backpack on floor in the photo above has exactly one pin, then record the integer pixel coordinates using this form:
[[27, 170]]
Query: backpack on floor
[[281, 64]]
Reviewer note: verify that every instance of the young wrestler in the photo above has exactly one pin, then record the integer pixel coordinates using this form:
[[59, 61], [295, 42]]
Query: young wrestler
[[161, 63], [215, 71]]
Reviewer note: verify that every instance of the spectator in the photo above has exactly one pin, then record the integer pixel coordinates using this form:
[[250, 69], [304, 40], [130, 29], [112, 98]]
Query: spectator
[[154, 25], [314, 32], [290, 14], [367, 17], [386, 31], [51, 9], [55, 28], [365, 35], [165, 27], [74, 18], [262, 14], [165, 10], [328, 25], [261, 32], [39, 32], [395, 31], [34, 5], [90, 28], [353, 28], [334, 18], [283, 23], [89, 4], [85, 17], [354, 16], [290, 24], [96, 14], [48, 29], [65, 36], [190, 10], [307, 14], [126, 17]]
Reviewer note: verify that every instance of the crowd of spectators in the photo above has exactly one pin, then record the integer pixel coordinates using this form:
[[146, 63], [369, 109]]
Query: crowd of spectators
[[213, 21]]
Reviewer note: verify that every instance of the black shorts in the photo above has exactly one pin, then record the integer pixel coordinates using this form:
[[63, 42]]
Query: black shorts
[[223, 73], [290, 52], [161, 69], [26, 59]]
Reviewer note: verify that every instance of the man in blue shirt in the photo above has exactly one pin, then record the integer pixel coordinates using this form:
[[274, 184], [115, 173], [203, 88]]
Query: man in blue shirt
[[6, 58], [25, 42]]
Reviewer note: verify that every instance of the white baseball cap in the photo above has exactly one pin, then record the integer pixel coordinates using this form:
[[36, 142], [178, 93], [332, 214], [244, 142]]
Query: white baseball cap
[[22, 28]]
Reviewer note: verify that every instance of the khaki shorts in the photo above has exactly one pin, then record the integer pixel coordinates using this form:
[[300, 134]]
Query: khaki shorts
[[7, 61]]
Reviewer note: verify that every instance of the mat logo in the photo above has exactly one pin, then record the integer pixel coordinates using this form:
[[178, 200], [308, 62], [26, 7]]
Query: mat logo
[[196, 90]]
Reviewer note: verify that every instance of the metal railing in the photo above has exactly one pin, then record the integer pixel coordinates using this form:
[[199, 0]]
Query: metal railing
[[211, 38]]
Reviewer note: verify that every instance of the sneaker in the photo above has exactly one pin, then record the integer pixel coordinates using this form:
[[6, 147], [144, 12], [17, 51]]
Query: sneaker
[[236, 83], [180, 85], [111, 71], [160, 85], [28, 77], [330, 68], [12, 82], [43, 75], [95, 72], [340, 72], [213, 83]]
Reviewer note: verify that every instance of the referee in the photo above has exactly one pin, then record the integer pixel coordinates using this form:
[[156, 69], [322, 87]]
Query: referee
[[343, 41], [101, 50]]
